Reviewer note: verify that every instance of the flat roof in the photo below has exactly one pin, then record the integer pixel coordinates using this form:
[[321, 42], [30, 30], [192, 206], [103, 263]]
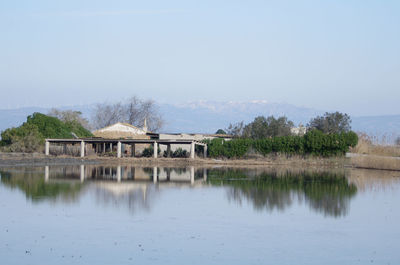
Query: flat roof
[[126, 141]]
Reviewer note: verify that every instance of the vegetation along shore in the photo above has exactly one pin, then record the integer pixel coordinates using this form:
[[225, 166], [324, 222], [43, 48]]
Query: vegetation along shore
[[266, 141]]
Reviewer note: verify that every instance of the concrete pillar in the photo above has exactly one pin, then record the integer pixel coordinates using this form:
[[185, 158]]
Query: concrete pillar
[[205, 151], [47, 148], [104, 148], [133, 150], [204, 174], [82, 173], [155, 174], [155, 147], [192, 150], [118, 173], [111, 147], [46, 173], [82, 148], [192, 175], [119, 150], [133, 171], [168, 150]]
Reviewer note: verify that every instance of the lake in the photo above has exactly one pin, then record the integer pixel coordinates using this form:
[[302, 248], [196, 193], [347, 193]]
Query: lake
[[99, 214]]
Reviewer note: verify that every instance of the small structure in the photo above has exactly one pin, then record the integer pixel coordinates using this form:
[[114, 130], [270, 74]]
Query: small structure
[[127, 140], [300, 130], [189, 136], [103, 145], [122, 130]]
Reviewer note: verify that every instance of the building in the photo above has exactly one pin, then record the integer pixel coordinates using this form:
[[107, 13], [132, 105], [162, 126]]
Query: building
[[123, 130]]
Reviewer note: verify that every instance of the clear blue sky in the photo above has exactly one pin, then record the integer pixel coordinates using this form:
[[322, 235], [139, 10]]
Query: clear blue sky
[[337, 55]]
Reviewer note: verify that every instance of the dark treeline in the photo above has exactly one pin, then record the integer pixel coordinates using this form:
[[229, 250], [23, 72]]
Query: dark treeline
[[313, 142], [327, 135]]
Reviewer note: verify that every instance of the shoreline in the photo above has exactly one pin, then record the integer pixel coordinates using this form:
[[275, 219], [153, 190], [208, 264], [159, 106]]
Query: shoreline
[[39, 159]]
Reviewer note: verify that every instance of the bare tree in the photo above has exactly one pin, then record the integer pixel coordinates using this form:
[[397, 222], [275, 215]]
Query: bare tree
[[133, 111], [69, 116], [108, 114], [236, 129], [138, 110]]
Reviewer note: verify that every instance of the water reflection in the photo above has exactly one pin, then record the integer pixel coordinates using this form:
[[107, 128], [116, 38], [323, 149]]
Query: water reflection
[[325, 192], [37, 188], [328, 193]]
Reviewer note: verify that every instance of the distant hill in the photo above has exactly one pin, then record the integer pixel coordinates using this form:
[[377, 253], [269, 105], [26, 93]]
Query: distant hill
[[209, 116]]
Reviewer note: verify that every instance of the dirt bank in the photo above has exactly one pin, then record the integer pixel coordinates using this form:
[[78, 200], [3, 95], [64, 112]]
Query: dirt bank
[[38, 159]]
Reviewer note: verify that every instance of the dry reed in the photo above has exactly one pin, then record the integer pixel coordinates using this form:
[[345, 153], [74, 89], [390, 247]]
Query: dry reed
[[376, 162], [371, 145]]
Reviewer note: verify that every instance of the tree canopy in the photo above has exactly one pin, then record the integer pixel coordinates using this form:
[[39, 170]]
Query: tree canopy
[[334, 122], [31, 134], [263, 127], [220, 131]]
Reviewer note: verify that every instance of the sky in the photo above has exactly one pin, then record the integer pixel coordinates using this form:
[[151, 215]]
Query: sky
[[332, 54]]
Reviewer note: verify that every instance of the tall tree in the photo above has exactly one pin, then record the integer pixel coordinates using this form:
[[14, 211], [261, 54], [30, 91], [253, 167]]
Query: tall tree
[[133, 111], [263, 127], [331, 122]]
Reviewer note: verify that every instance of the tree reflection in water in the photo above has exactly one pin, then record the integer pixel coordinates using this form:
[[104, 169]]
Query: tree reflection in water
[[32, 183], [327, 192]]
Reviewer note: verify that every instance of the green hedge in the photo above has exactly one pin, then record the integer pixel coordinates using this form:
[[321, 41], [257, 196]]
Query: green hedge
[[30, 136], [314, 142]]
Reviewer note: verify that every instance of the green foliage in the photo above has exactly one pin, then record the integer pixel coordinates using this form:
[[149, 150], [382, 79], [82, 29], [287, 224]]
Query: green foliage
[[78, 129], [220, 131], [149, 151], [25, 138], [314, 142], [263, 127], [334, 122], [30, 136], [179, 152]]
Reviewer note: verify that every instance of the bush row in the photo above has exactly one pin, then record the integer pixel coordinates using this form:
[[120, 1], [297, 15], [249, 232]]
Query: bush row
[[313, 142]]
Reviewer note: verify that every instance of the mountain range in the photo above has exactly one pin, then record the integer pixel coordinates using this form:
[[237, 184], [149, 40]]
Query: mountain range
[[209, 116]]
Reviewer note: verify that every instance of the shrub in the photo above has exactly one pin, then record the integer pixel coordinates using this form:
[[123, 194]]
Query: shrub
[[180, 153], [314, 142], [149, 151], [30, 136]]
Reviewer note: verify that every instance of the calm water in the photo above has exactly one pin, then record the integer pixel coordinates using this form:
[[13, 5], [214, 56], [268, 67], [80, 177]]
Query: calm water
[[126, 215]]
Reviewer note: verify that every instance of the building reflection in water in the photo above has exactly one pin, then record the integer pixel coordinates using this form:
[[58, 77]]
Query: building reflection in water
[[127, 186], [325, 192]]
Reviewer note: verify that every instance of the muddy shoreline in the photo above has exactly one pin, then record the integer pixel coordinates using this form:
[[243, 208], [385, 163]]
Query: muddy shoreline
[[38, 159]]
